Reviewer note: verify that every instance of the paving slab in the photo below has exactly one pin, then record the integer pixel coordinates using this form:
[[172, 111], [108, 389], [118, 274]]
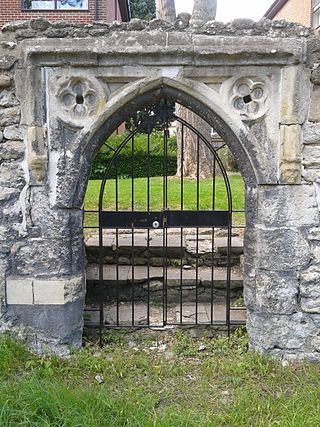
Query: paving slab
[[139, 314], [140, 274]]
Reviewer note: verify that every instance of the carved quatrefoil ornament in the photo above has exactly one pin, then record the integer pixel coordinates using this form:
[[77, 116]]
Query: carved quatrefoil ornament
[[79, 97], [249, 98]]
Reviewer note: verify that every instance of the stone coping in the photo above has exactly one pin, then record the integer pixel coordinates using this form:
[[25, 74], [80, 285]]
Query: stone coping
[[40, 27]]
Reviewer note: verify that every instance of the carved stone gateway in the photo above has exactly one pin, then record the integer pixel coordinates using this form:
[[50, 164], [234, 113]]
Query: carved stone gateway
[[66, 88]]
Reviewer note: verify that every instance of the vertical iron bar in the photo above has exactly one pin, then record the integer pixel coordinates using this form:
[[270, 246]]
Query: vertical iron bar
[[101, 312], [115, 10], [117, 242], [197, 245], [132, 229], [182, 207], [148, 232], [167, 206], [213, 234], [228, 305], [165, 200]]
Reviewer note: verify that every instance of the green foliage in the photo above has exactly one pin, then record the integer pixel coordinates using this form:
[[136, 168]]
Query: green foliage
[[143, 9], [122, 167], [156, 195], [193, 383]]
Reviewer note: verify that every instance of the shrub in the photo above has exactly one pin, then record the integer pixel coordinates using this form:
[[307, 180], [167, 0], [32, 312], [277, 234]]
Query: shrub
[[122, 164]]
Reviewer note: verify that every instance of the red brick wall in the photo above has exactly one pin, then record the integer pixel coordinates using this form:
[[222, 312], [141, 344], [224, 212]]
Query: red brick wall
[[296, 11], [10, 10]]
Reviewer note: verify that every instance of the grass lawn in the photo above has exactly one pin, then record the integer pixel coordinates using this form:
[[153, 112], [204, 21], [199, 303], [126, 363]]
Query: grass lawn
[[179, 382], [174, 195]]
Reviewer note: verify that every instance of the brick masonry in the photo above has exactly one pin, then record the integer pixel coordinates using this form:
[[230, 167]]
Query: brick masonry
[[296, 11], [11, 10]]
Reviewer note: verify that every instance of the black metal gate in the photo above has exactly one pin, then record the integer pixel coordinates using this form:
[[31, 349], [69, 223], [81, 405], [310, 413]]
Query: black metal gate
[[157, 261]]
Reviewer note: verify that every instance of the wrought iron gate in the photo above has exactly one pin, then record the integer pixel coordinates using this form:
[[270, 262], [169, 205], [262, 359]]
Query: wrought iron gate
[[157, 261]]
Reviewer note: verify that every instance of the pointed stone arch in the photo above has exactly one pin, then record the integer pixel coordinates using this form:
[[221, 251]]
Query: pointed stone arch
[[251, 81]]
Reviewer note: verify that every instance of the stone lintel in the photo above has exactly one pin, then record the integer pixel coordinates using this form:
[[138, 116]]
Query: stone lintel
[[88, 52]]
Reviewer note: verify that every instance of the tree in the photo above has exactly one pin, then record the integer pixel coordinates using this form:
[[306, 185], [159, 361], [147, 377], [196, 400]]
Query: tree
[[166, 10], [143, 9], [190, 143], [204, 10]]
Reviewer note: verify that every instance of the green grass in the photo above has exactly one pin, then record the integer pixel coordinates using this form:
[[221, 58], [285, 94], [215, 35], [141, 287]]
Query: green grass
[[222, 385], [174, 195]]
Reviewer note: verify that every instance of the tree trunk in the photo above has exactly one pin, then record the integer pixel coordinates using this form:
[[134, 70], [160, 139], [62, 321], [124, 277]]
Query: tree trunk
[[166, 10], [190, 142], [204, 10]]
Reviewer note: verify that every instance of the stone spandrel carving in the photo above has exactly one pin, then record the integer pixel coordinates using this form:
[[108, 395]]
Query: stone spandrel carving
[[249, 97], [79, 97]]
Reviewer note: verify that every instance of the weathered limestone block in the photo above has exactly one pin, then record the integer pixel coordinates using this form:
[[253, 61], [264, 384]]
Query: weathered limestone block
[[39, 24], [5, 81], [314, 234], [314, 114], [19, 291], [12, 174], [136, 24], [310, 175], [310, 289], [25, 291], [48, 292], [8, 99], [287, 333], [12, 212], [311, 156], [311, 133], [294, 103], [13, 132], [37, 154], [288, 206], [282, 249], [4, 264], [12, 150], [7, 194], [7, 62], [9, 116], [8, 45], [14, 26], [290, 154], [25, 34], [48, 257], [54, 222], [49, 329], [276, 292], [160, 24]]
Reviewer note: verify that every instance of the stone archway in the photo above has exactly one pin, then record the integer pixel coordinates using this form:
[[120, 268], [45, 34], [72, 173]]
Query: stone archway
[[73, 94]]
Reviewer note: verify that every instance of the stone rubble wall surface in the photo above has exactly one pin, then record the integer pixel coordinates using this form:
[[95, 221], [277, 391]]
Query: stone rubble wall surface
[[48, 141]]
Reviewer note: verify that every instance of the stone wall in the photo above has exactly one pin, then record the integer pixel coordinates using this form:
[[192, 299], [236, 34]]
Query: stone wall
[[256, 83]]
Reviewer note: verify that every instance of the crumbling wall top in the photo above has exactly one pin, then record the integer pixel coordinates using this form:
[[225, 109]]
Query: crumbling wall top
[[39, 27]]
